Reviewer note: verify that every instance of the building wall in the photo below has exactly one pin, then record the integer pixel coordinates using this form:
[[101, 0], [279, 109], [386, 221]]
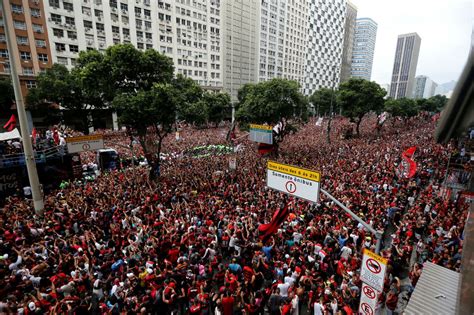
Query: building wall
[[325, 43], [240, 43], [188, 31], [404, 68], [28, 29], [424, 87], [349, 32], [364, 47]]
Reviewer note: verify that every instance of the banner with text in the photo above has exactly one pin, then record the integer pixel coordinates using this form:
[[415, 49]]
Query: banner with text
[[85, 143]]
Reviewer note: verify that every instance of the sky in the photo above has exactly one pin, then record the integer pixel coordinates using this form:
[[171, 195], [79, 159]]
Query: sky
[[445, 28]]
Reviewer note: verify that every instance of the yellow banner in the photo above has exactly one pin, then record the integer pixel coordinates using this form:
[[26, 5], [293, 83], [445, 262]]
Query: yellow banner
[[295, 171], [374, 256], [84, 138], [263, 127]]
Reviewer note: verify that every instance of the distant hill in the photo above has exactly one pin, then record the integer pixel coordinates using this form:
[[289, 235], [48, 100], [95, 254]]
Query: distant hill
[[445, 87]]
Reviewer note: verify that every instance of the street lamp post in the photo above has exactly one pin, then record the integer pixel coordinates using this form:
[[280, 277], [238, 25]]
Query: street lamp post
[[25, 134], [332, 105]]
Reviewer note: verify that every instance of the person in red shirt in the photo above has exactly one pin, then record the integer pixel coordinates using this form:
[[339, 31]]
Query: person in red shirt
[[227, 302]]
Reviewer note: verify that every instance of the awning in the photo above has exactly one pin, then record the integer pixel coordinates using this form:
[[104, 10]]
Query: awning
[[436, 291], [14, 134]]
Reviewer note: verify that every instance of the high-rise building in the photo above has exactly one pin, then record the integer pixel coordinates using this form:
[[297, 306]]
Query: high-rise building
[[325, 43], [424, 87], [187, 31], [404, 66], [349, 30], [282, 46], [27, 26], [364, 47], [240, 38]]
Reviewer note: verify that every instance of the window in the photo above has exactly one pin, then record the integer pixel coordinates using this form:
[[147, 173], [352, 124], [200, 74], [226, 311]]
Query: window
[[147, 24], [60, 47], [6, 67], [73, 62], [74, 48], [3, 53], [126, 31], [138, 11], [99, 27], [139, 34], [113, 3], [148, 35], [88, 25], [98, 13], [19, 25], [72, 34], [25, 55], [17, 9], [43, 57], [54, 3], [149, 46], [147, 13], [68, 6], [58, 32], [140, 45], [62, 60], [56, 18], [124, 6], [28, 70], [30, 84], [3, 39], [115, 29], [37, 28], [21, 40], [40, 43], [70, 20]]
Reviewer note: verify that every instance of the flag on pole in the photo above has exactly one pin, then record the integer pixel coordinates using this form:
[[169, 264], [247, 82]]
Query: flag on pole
[[267, 230], [11, 123], [407, 168]]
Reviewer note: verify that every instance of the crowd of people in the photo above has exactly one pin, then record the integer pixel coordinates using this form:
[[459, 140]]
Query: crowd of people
[[189, 242]]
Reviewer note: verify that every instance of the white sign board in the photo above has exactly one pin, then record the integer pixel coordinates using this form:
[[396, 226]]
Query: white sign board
[[261, 134], [85, 143], [368, 300], [294, 181], [232, 163], [373, 270]]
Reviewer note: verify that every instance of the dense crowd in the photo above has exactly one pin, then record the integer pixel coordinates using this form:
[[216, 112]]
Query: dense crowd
[[189, 243]]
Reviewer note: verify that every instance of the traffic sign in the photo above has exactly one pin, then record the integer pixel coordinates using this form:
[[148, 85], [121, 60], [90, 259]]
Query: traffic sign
[[296, 181], [373, 270], [368, 300], [85, 143], [261, 134]]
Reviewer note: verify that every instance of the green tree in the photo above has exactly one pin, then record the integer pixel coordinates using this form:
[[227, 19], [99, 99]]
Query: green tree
[[404, 108], [7, 95], [272, 102], [189, 96], [357, 97], [321, 100], [440, 102], [218, 106]]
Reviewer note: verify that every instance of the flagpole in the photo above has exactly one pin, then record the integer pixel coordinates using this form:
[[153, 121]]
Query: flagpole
[[27, 147]]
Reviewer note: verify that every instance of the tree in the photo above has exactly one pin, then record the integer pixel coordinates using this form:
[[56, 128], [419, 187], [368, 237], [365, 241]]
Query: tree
[[403, 108], [272, 102], [189, 94], [357, 97], [7, 95], [217, 106], [439, 102]]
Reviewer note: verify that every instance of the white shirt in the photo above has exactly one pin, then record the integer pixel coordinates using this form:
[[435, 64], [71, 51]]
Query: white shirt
[[346, 252], [283, 289], [318, 309], [294, 305]]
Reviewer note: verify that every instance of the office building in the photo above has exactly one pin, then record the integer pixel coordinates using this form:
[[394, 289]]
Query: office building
[[325, 44], [404, 66], [186, 31], [364, 47], [27, 26], [240, 38], [424, 87], [349, 30]]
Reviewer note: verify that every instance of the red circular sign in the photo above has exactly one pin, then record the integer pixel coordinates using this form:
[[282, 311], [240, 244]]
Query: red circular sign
[[86, 146], [290, 187], [369, 292], [366, 309], [373, 265]]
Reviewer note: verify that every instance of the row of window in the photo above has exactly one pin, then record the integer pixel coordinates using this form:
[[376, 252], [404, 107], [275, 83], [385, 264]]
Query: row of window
[[18, 9]]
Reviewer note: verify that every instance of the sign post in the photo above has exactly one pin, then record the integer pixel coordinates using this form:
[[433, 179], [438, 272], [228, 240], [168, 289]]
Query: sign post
[[373, 270], [261, 134], [295, 181], [368, 300], [85, 143]]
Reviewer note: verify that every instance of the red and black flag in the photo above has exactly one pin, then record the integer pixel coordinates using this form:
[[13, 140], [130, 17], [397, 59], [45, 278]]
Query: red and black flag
[[267, 230]]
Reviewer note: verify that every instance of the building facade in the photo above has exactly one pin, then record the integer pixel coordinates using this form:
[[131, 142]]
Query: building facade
[[364, 47], [404, 66], [188, 31], [240, 38], [325, 44], [424, 87], [349, 31], [27, 26]]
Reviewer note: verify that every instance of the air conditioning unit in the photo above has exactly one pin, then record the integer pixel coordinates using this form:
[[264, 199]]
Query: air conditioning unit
[[88, 13], [124, 12], [99, 19], [101, 45], [90, 42], [114, 10]]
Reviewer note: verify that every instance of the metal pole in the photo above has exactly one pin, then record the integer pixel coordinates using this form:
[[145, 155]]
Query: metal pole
[[331, 109], [27, 147], [377, 234], [233, 113]]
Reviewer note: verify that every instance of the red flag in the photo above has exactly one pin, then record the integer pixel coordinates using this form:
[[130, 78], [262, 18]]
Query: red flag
[[11, 123], [264, 148], [56, 136], [267, 230], [33, 135], [407, 166]]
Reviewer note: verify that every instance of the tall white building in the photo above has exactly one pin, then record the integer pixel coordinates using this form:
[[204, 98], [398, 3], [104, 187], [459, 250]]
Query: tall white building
[[349, 31], [283, 30], [188, 31], [424, 87], [325, 44], [240, 40], [364, 47]]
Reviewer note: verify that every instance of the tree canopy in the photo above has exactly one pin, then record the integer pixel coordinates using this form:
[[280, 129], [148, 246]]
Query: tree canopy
[[7, 95], [357, 97], [433, 104], [403, 107], [321, 100]]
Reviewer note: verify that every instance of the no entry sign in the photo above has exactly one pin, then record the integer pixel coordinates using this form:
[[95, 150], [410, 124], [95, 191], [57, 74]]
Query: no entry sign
[[368, 300], [373, 270]]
